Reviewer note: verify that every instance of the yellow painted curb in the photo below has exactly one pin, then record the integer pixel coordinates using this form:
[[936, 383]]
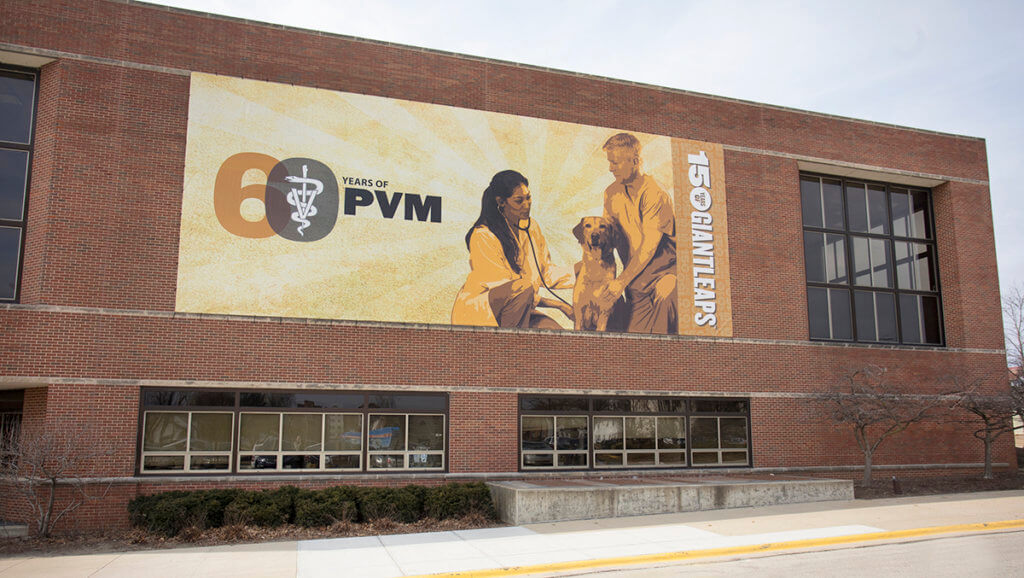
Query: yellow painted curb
[[731, 551]]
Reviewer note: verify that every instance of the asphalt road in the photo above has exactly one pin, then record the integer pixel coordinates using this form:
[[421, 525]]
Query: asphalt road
[[999, 554]]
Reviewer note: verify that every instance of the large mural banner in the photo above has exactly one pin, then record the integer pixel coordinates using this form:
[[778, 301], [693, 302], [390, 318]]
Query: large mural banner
[[310, 203]]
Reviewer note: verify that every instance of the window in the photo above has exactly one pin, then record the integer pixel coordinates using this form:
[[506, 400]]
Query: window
[[406, 441], [17, 112], [870, 259], [639, 441], [10, 423], [576, 432], [719, 441], [263, 432], [186, 441], [300, 441], [554, 441]]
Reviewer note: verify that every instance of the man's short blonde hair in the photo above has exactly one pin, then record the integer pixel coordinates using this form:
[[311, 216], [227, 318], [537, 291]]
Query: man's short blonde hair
[[623, 140]]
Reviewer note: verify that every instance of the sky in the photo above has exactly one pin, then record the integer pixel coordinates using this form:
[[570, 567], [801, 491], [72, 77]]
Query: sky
[[954, 67]]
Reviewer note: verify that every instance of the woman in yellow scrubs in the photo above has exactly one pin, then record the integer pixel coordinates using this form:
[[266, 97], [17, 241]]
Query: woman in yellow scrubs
[[509, 261]]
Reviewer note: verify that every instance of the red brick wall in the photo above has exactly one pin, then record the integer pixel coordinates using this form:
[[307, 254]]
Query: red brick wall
[[483, 432], [105, 202], [797, 433], [968, 274], [104, 346], [769, 287], [102, 419]]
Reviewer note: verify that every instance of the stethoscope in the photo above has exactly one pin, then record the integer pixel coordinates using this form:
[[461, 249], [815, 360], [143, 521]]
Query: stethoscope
[[533, 250]]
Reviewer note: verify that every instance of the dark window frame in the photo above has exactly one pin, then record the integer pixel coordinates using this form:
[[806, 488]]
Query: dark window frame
[[29, 147], [892, 240]]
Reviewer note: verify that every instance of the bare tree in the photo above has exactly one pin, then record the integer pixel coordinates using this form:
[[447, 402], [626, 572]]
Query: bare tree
[[1013, 319], [1013, 325], [37, 462], [996, 415], [876, 409]]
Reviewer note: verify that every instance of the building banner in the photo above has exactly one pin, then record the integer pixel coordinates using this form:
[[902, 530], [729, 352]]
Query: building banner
[[303, 202]]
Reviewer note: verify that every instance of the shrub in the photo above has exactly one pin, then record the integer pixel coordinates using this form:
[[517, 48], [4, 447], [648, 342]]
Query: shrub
[[269, 508], [403, 504], [171, 512], [458, 500], [175, 512], [214, 503], [139, 509], [325, 507]]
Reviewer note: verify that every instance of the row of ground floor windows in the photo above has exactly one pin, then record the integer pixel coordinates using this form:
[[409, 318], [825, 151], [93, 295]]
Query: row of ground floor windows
[[355, 432], [632, 441], [203, 441]]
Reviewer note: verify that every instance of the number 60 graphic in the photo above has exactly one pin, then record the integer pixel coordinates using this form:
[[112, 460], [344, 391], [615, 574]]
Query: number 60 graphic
[[300, 197]]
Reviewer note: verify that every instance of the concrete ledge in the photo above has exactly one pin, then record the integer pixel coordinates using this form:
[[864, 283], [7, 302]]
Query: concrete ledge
[[533, 502], [13, 531]]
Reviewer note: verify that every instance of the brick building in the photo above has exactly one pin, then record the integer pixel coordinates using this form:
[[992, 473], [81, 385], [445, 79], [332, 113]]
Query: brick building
[[161, 299]]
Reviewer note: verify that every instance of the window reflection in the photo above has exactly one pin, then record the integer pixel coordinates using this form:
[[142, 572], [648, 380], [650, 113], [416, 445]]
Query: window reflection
[[165, 432], [832, 195], [289, 440], [301, 432], [387, 432], [550, 441], [10, 251], [259, 431], [186, 441], [538, 433], [887, 243], [825, 257], [553, 403], [914, 268], [876, 316], [640, 433], [608, 433], [910, 214], [637, 441], [572, 433], [17, 108], [13, 180], [871, 262], [17, 90], [343, 432], [210, 432]]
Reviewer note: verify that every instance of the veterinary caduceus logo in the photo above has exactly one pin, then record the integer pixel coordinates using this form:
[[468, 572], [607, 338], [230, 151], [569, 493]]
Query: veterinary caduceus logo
[[302, 199]]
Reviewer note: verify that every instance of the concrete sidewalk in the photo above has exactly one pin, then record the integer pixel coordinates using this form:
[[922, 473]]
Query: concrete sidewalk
[[561, 547]]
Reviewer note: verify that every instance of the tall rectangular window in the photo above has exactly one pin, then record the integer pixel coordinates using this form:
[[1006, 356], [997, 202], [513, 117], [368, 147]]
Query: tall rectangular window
[[17, 117], [870, 258]]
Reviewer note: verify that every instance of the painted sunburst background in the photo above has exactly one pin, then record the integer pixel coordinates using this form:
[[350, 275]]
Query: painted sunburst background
[[368, 267]]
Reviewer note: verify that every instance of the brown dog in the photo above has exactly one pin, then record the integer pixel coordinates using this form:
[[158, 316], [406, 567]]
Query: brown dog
[[597, 269]]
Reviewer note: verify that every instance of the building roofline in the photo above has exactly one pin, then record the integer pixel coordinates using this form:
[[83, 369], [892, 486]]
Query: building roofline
[[538, 68]]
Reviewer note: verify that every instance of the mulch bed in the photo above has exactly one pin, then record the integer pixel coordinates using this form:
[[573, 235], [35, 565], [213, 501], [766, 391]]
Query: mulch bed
[[136, 539], [882, 486]]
